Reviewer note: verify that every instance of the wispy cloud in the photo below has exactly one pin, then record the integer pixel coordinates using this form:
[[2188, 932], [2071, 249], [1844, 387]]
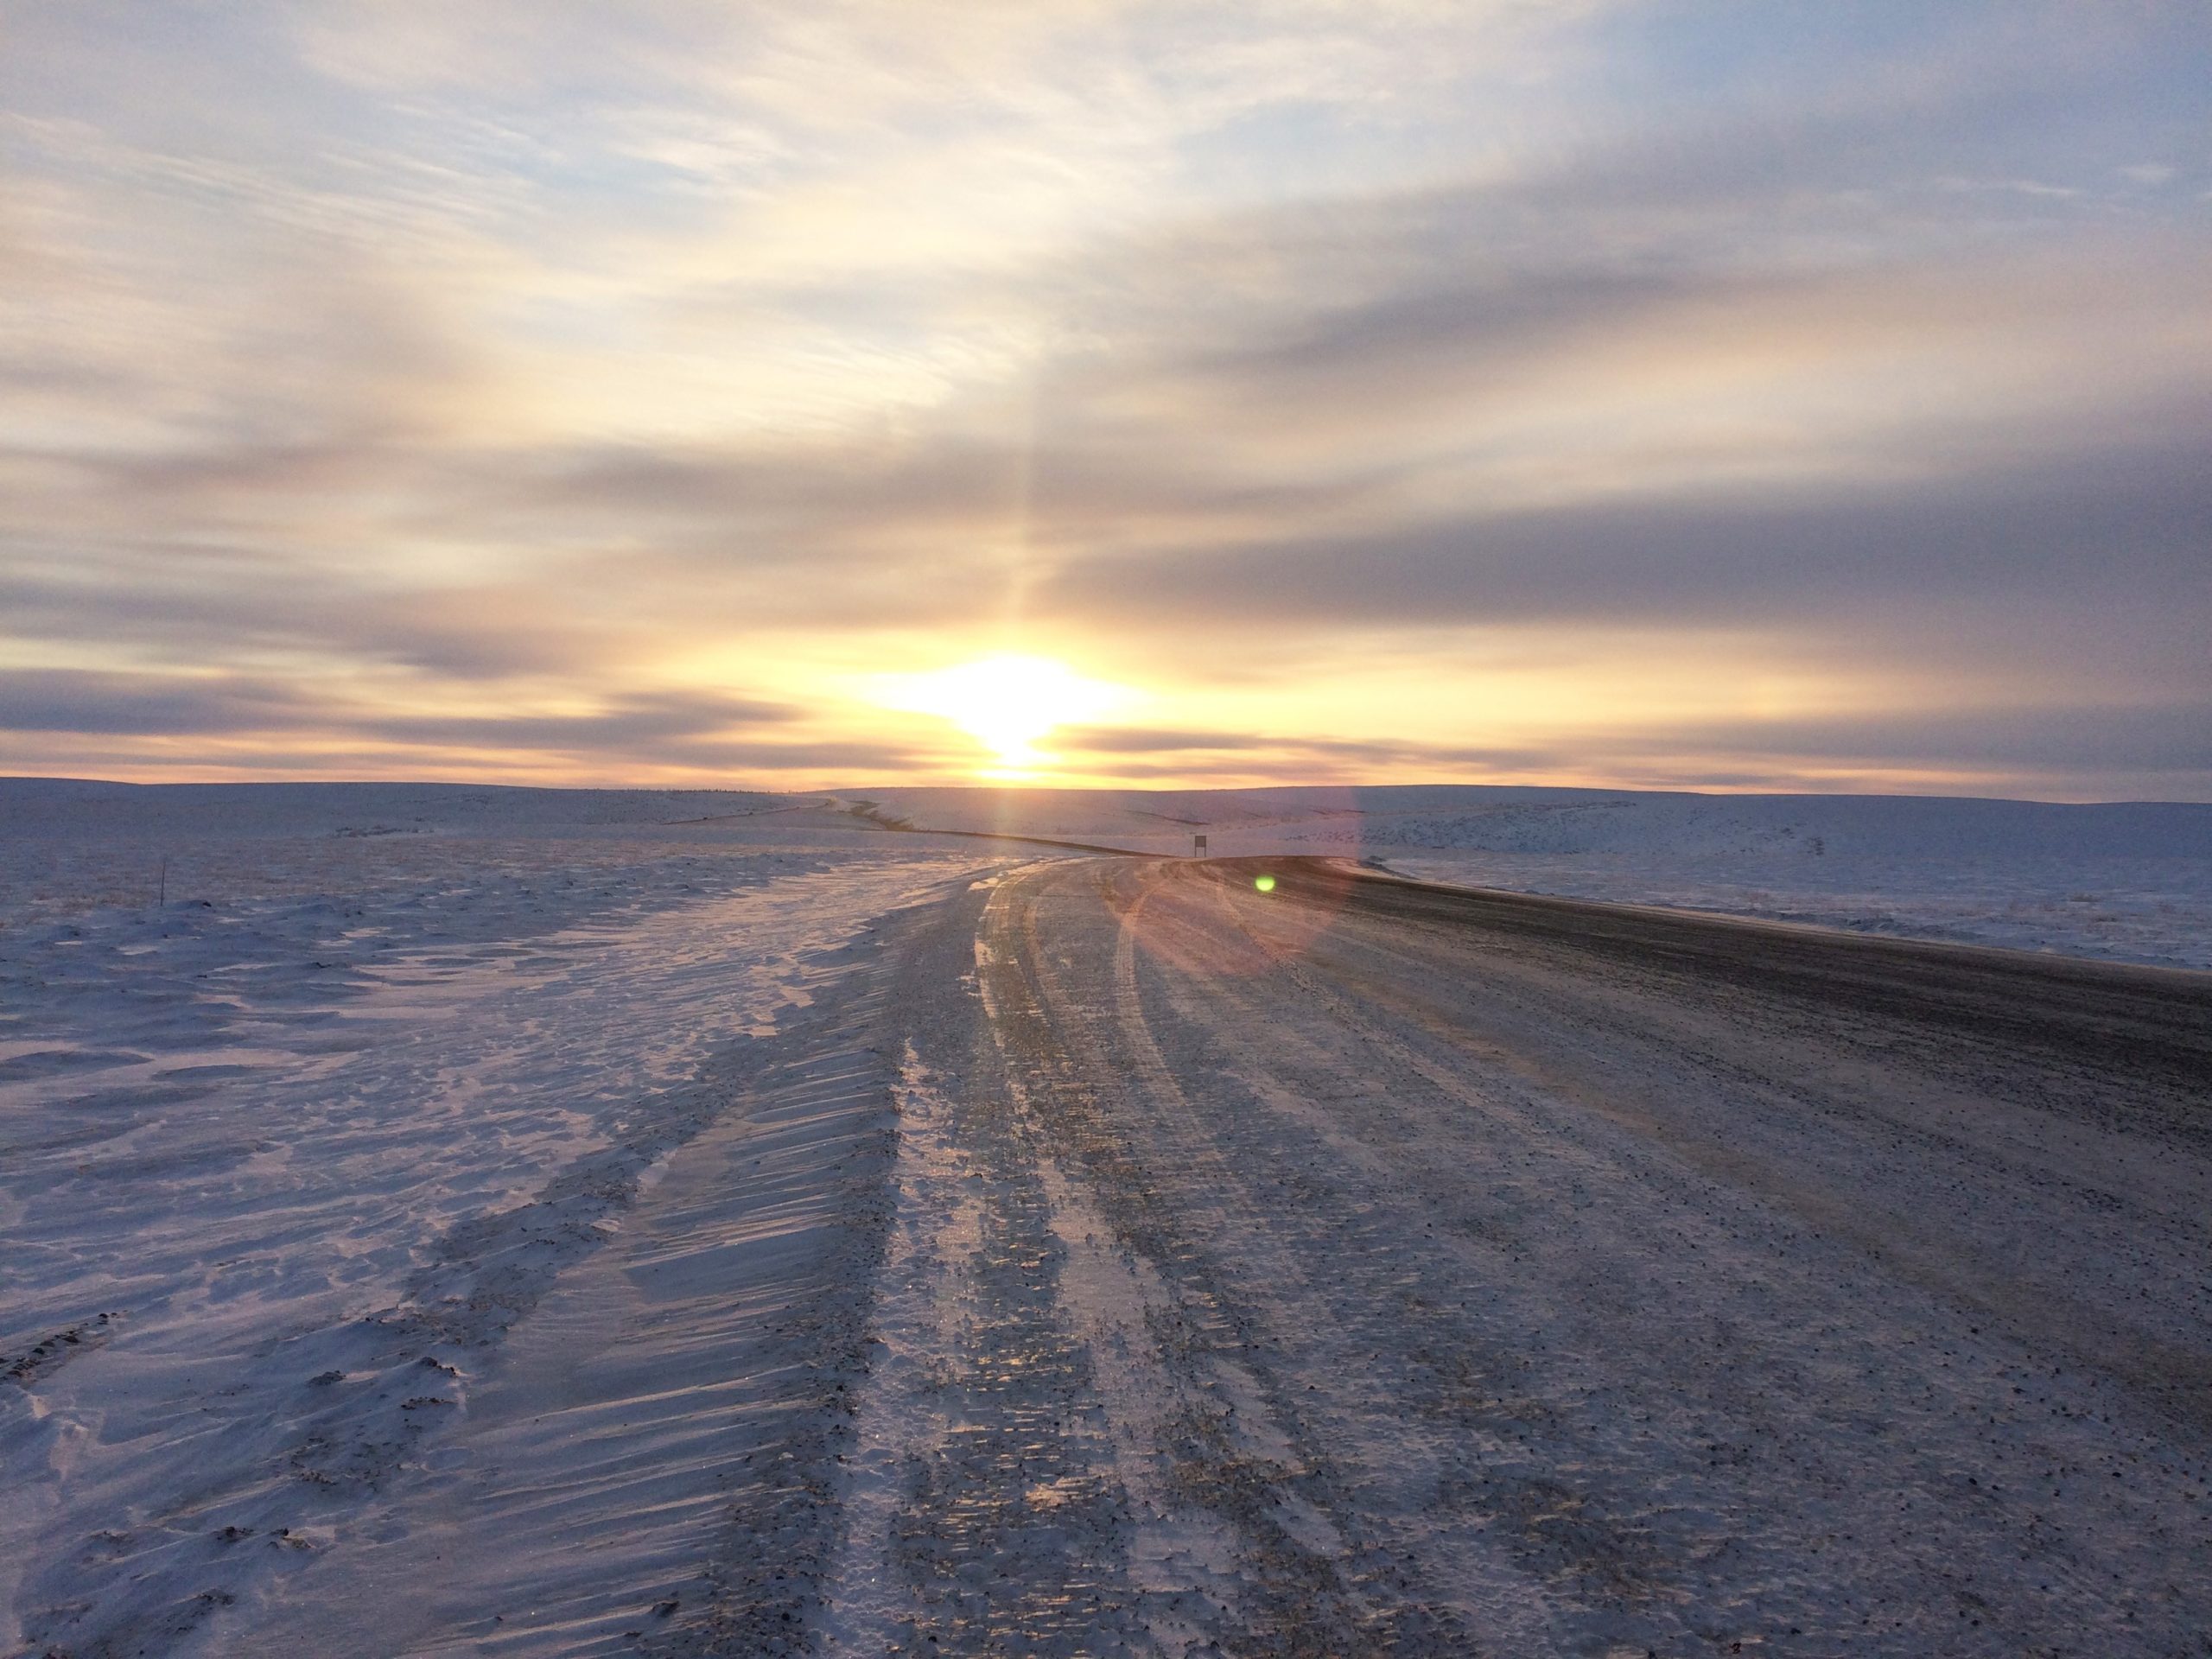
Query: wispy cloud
[[631, 385]]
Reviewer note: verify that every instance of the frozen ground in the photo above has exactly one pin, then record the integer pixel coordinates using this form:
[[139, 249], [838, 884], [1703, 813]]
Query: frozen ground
[[2128, 882], [385, 1067], [535, 1223]]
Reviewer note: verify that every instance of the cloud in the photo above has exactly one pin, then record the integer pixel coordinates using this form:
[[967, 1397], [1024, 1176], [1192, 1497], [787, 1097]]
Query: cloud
[[2157, 752], [693, 729], [59, 699], [2133, 518], [2173, 740], [1139, 740], [663, 724], [371, 359]]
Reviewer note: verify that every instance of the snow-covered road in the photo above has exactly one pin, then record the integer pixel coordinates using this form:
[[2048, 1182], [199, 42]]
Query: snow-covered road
[[1352, 1268]]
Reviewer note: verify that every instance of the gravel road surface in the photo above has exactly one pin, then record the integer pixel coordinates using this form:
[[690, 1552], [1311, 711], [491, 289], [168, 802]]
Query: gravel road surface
[[1281, 1259]]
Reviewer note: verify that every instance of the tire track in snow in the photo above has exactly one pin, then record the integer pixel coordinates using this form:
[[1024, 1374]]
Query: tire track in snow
[[936, 1230], [1790, 1427], [984, 1507]]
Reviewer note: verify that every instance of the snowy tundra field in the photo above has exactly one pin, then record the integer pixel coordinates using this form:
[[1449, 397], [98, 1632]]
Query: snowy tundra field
[[382, 1049], [2130, 881]]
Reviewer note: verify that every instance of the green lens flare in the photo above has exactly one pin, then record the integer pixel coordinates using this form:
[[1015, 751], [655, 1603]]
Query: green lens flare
[[1264, 883]]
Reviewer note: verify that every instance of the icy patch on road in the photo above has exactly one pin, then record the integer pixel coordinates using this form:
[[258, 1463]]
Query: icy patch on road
[[1013, 1475], [868, 1607]]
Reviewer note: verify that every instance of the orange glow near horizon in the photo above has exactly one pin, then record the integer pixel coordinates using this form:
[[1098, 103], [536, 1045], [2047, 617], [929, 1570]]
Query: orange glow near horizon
[[1007, 703], [1507, 706]]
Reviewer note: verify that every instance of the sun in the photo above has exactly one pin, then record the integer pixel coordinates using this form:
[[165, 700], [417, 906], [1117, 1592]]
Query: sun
[[1008, 703]]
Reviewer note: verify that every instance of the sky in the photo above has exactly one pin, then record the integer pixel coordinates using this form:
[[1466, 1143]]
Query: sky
[[1715, 396]]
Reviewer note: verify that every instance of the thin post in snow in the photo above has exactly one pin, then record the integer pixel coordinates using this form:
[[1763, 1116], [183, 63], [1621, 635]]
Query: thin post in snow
[[163, 902]]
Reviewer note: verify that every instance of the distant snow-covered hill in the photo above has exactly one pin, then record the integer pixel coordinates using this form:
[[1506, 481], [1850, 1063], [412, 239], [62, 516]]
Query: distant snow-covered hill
[[2128, 880], [2131, 881], [1476, 818]]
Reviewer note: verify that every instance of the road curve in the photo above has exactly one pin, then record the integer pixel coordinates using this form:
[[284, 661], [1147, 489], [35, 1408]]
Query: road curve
[[1357, 1267]]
